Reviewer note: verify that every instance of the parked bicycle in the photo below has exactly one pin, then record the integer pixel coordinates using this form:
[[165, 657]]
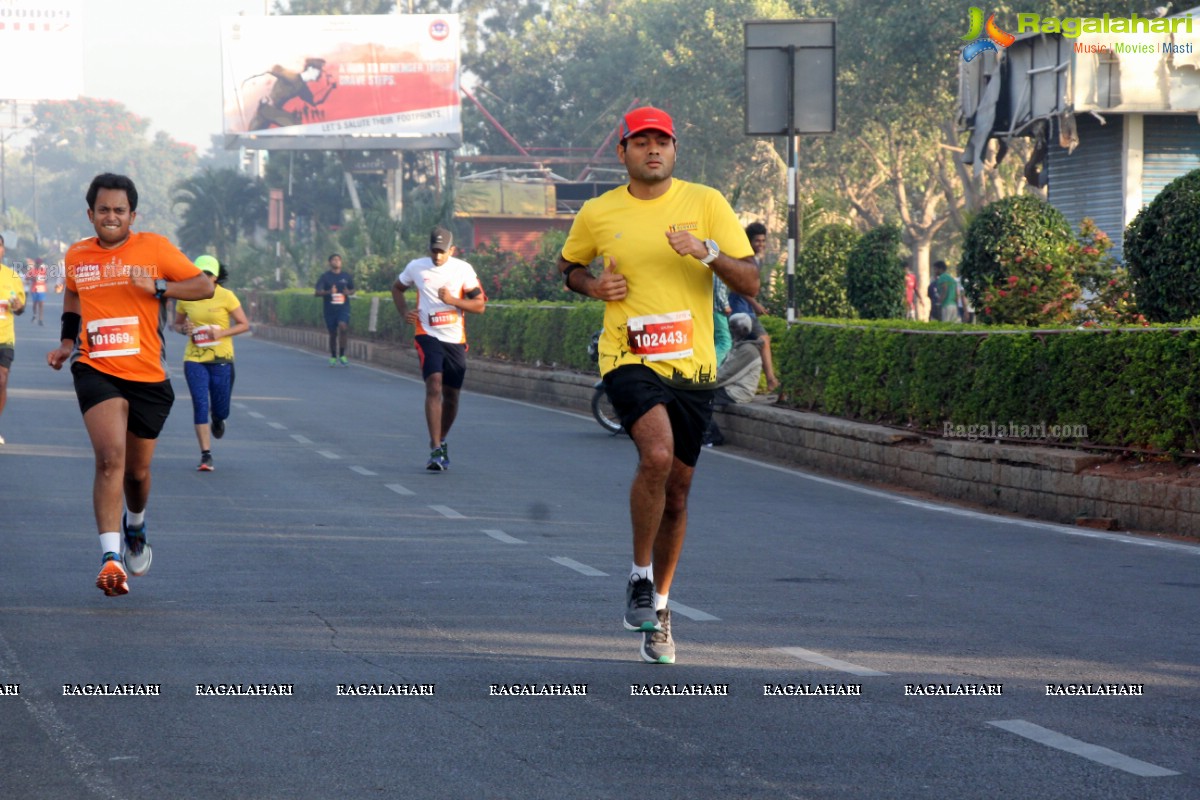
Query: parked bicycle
[[602, 409]]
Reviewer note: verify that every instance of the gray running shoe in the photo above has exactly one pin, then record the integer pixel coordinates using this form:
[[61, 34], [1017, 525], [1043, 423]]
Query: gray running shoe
[[658, 647], [138, 554], [639, 606]]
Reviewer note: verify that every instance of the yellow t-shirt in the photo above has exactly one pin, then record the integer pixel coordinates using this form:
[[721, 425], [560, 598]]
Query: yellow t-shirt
[[10, 286], [213, 311], [665, 321]]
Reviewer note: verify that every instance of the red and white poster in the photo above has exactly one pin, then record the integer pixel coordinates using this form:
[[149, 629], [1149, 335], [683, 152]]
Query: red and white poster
[[357, 81]]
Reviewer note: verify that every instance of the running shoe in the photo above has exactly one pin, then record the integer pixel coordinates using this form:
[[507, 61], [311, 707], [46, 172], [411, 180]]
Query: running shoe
[[333, 362], [658, 647], [1, 440], [437, 460], [218, 428], [138, 554], [206, 463], [639, 605], [446, 453], [112, 579], [345, 362]]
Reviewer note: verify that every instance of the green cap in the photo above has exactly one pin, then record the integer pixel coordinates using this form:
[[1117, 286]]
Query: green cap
[[207, 263]]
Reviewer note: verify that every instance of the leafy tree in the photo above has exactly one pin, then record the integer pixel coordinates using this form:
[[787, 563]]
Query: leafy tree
[[218, 206], [875, 274]]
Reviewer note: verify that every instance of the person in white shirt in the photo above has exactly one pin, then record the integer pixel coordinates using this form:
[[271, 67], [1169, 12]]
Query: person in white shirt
[[447, 288]]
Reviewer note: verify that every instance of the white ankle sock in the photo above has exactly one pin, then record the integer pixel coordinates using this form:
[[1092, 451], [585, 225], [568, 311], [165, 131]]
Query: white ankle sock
[[660, 601], [135, 520], [110, 542], [640, 573]]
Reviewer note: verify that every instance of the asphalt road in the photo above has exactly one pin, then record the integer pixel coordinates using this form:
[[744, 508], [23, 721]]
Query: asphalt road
[[321, 554]]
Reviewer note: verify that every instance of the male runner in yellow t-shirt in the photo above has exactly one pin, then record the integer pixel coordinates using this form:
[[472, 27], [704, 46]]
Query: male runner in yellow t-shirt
[[661, 240]]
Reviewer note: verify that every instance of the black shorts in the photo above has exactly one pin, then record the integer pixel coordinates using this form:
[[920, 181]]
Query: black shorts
[[149, 403], [337, 315], [6, 356], [635, 389], [445, 357]]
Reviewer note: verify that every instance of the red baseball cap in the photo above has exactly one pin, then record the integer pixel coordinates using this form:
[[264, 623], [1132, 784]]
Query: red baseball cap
[[647, 118]]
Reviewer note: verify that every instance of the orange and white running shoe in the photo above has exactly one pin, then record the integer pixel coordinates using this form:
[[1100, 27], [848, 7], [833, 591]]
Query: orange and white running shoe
[[112, 579]]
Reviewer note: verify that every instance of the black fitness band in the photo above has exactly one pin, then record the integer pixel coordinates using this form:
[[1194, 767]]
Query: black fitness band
[[70, 326]]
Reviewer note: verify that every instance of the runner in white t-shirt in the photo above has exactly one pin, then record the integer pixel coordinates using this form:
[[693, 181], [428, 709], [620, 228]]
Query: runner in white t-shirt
[[447, 288]]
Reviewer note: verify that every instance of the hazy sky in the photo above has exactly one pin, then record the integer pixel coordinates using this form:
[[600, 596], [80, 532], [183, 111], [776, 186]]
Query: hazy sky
[[162, 59]]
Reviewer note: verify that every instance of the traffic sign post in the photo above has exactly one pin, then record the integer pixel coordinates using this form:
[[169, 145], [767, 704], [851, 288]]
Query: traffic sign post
[[791, 82]]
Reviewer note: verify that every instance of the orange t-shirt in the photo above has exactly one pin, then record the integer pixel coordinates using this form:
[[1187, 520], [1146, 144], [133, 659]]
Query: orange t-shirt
[[121, 332]]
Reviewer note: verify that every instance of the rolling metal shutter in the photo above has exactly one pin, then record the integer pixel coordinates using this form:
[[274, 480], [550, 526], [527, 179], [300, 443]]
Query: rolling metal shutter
[[1172, 148], [1087, 183]]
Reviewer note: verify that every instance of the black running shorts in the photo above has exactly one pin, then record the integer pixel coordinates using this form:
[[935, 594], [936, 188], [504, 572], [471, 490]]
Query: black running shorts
[[149, 403], [444, 357], [6, 356], [635, 389]]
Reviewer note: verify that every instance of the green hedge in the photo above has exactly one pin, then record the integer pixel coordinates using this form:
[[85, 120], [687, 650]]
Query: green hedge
[[1128, 387]]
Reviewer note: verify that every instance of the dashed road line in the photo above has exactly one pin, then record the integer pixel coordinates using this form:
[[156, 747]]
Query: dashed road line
[[446, 511], [279, 426], [255, 415], [582, 569], [1092, 752], [329, 454], [501, 536], [398, 489], [694, 614], [363, 471], [833, 663], [302, 439]]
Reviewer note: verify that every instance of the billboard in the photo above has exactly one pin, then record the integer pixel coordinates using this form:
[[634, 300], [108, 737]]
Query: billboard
[[42, 43], [342, 82]]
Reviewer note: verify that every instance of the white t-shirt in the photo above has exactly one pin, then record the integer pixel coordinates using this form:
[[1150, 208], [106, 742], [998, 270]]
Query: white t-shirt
[[435, 318]]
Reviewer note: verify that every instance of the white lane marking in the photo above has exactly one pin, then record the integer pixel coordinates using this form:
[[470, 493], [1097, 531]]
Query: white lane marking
[[398, 489], [364, 471], [976, 515], [501, 536], [692, 613], [1092, 752], [79, 760], [446, 511], [255, 414], [582, 569], [301, 439], [279, 426], [330, 455], [832, 663], [242, 406]]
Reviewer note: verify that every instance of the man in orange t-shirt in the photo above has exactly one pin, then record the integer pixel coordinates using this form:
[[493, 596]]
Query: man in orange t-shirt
[[114, 312]]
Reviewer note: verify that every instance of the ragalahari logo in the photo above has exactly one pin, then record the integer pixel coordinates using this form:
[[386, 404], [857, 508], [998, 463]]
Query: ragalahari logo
[[987, 37]]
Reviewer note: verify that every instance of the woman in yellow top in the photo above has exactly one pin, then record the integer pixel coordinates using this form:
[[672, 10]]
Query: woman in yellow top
[[208, 360]]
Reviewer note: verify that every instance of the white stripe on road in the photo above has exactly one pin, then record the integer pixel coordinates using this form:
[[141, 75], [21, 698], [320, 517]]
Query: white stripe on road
[[330, 455], [832, 663], [301, 439], [279, 426], [501, 536], [364, 471], [1092, 752], [582, 569], [255, 414], [398, 489], [692, 613], [446, 511]]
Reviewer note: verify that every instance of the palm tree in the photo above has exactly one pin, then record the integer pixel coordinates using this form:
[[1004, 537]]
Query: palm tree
[[219, 205]]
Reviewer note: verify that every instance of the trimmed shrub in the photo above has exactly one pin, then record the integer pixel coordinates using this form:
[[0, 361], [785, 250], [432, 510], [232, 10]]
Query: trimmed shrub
[[1162, 249], [875, 274], [1014, 236], [821, 273]]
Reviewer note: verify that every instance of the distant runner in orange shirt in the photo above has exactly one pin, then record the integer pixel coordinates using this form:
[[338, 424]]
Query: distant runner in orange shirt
[[114, 313]]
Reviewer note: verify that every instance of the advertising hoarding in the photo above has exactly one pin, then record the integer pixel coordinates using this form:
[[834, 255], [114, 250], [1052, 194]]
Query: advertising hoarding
[[42, 45], [342, 82]]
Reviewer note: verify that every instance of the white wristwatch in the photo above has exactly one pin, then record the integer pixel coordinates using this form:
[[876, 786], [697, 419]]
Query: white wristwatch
[[713, 252]]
